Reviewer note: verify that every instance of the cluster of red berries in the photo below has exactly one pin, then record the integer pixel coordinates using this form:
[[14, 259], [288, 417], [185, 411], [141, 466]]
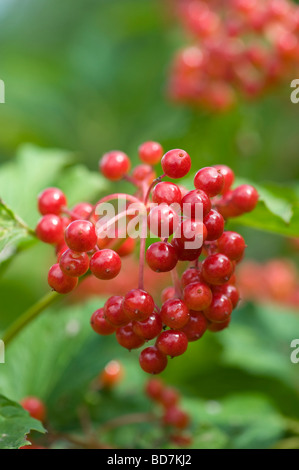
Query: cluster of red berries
[[277, 281], [239, 47], [173, 417]]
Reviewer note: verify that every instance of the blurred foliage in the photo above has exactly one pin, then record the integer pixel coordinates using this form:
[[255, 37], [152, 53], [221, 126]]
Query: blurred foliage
[[87, 76]]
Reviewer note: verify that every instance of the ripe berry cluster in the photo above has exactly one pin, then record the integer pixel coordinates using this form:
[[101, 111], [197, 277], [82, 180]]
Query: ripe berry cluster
[[173, 417], [239, 47], [205, 295], [276, 280]]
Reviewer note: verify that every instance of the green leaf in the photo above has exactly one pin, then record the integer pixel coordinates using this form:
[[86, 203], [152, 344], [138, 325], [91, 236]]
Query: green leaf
[[15, 424]]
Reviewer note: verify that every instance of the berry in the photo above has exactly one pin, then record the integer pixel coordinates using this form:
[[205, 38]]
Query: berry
[[126, 248], [245, 198], [74, 264], [215, 327], [196, 326], [115, 165], [191, 275], [162, 220], [35, 408], [232, 245], [114, 312], [112, 374], [150, 152], [167, 293], [154, 388], [228, 175], [176, 163], [210, 180], [152, 361], [169, 397], [172, 343], [161, 257], [214, 224], [220, 309], [197, 296], [51, 201], [217, 269], [149, 328], [143, 173], [99, 323], [82, 210], [80, 236], [176, 417], [174, 313], [185, 254], [105, 264], [127, 338], [166, 192], [196, 204], [138, 305], [59, 281], [191, 234], [50, 229], [230, 291]]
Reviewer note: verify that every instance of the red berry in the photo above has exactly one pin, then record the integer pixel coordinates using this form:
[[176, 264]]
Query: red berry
[[196, 326], [105, 264], [82, 210], [80, 236], [196, 204], [181, 440], [74, 264], [138, 305], [215, 327], [167, 293], [149, 328], [230, 291], [51, 201], [162, 220], [114, 312], [217, 269], [111, 375], [161, 257], [50, 229], [214, 224], [59, 281], [115, 165], [143, 173], [245, 198], [99, 324], [154, 388], [126, 248], [127, 338], [185, 254], [228, 175], [169, 397], [220, 309], [172, 343], [166, 192], [191, 234], [176, 417], [191, 275], [176, 163], [232, 245], [210, 180], [35, 408], [152, 360], [174, 313], [197, 296], [150, 152]]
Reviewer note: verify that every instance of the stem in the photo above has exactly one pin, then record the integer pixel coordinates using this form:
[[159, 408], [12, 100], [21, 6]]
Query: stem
[[142, 252], [110, 197], [157, 180], [113, 220], [176, 283], [130, 180], [29, 315]]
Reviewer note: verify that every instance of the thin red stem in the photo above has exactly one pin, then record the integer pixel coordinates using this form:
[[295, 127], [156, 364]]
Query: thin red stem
[[157, 180], [176, 283], [142, 252]]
